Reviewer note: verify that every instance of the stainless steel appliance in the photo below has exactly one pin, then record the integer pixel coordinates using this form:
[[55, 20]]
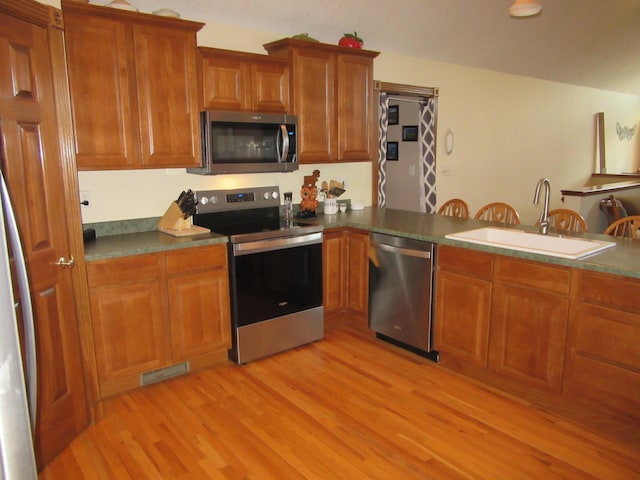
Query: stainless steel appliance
[[17, 397], [275, 271], [247, 142], [401, 279]]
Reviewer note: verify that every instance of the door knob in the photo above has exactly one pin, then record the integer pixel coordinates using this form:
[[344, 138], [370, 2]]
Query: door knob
[[64, 263]]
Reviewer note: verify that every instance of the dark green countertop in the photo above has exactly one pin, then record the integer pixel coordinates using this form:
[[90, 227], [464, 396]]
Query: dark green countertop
[[623, 259], [137, 243]]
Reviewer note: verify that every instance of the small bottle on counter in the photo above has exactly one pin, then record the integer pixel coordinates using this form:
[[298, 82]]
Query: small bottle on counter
[[288, 206]]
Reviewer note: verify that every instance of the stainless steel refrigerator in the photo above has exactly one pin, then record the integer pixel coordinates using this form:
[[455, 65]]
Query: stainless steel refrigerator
[[17, 381]]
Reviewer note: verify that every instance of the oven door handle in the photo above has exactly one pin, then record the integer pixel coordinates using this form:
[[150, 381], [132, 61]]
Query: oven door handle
[[259, 246]]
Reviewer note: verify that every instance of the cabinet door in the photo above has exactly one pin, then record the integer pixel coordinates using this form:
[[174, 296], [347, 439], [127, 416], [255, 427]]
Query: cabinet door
[[165, 68], [31, 163], [102, 92], [226, 83], [334, 263], [357, 274], [463, 309], [356, 137], [128, 316], [199, 312], [528, 331], [270, 87], [314, 104]]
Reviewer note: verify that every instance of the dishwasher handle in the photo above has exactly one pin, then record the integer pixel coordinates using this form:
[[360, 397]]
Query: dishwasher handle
[[401, 251]]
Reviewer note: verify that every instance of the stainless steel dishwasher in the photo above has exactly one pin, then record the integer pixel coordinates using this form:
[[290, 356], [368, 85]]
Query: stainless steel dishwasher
[[401, 279]]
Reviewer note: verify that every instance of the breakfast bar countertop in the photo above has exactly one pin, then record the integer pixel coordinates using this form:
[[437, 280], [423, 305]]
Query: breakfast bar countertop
[[623, 259]]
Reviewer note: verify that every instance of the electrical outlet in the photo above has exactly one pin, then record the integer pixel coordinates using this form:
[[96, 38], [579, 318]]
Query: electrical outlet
[[85, 198]]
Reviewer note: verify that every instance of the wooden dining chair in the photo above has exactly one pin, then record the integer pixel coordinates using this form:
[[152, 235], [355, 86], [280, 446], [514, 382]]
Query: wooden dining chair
[[498, 212], [568, 221], [625, 227], [454, 208]]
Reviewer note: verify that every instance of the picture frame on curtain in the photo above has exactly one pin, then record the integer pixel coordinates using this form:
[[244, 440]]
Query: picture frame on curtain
[[392, 151], [393, 115], [410, 133]]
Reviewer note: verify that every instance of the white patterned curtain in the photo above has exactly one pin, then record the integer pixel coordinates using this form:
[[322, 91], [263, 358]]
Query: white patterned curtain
[[383, 122], [427, 134]]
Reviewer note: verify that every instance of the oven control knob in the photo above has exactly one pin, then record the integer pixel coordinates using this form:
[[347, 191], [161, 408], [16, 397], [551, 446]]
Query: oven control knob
[[265, 195], [213, 199], [275, 195], [204, 200]]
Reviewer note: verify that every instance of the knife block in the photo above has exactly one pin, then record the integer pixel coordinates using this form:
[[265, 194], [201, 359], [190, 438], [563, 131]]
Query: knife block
[[174, 223], [173, 219]]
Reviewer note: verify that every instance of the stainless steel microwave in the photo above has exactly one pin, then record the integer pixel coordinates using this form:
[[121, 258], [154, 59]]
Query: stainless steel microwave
[[247, 142]]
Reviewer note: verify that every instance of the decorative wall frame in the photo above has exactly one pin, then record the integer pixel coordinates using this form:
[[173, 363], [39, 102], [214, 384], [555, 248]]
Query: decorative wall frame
[[393, 115], [410, 133], [392, 151]]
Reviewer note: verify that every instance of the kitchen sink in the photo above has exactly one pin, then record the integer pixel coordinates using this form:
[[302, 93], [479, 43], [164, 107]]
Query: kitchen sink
[[533, 242]]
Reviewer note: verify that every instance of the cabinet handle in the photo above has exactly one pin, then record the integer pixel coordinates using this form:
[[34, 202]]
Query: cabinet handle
[[64, 263]]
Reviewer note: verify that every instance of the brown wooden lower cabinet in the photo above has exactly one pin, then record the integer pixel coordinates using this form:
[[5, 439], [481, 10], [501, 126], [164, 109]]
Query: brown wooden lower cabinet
[[154, 310], [345, 271], [549, 332], [603, 354]]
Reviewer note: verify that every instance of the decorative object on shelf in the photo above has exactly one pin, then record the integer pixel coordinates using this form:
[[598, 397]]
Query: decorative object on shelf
[[305, 37], [393, 116], [410, 133], [176, 220], [166, 12], [392, 151], [625, 132], [525, 8], [122, 5], [351, 40], [309, 194]]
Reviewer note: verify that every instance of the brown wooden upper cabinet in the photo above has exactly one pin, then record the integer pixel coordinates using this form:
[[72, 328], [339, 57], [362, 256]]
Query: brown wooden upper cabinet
[[333, 99], [244, 81], [133, 88]]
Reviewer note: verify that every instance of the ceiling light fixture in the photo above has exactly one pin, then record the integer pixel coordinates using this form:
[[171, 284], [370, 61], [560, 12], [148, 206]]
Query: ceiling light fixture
[[525, 8]]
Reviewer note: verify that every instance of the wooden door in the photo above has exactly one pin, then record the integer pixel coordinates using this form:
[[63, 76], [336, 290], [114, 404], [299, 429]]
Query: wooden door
[[102, 92], [334, 265], [270, 87], [314, 104], [528, 331], [357, 265], [199, 309], [463, 308], [32, 166], [356, 136], [225, 82], [463, 305], [165, 73], [128, 314]]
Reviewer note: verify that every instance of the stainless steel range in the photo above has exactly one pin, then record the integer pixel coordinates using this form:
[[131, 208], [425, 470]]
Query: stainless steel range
[[275, 271]]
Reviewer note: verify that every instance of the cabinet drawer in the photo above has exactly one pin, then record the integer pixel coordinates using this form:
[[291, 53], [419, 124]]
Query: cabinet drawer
[[189, 260], [122, 270], [462, 260], [551, 278], [608, 290]]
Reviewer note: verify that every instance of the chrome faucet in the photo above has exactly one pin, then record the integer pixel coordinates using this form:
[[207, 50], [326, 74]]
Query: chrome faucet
[[544, 217]]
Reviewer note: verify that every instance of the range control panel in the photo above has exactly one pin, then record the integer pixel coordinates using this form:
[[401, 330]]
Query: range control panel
[[210, 201]]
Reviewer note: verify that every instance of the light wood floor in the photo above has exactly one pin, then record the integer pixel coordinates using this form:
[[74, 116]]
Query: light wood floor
[[347, 407]]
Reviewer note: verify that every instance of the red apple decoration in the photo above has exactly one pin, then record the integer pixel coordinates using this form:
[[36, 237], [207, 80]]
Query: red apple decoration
[[351, 40]]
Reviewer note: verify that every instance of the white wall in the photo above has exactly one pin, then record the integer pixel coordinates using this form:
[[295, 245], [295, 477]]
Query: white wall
[[509, 132]]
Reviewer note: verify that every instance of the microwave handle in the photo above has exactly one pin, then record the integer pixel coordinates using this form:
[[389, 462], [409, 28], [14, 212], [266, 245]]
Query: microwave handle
[[284, 134]]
